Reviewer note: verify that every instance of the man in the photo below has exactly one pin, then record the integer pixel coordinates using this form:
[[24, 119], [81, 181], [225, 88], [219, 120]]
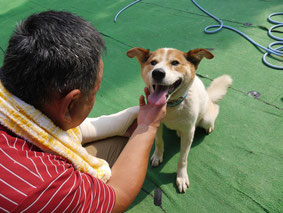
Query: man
[[51, 73]]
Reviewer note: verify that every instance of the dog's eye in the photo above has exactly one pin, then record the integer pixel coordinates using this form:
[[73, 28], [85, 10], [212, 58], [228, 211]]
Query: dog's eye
[[174, 63], [153, 62]]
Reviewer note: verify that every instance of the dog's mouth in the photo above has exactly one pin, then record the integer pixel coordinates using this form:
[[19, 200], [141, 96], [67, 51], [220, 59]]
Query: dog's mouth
[[160, 93]]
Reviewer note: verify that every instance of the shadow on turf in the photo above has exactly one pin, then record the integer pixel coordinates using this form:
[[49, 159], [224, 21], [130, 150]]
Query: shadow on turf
[[155, 177]]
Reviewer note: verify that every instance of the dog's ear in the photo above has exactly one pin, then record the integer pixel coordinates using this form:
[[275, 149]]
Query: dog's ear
[[195, 56], [141, 54]]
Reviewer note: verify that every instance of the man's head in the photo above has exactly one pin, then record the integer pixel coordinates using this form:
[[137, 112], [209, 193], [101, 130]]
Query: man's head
[[52, 55]]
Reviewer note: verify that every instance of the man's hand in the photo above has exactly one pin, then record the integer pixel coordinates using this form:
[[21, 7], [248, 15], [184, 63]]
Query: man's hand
[[150, 115]]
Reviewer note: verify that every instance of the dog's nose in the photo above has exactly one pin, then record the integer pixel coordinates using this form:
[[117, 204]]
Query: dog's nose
[[158, 74]]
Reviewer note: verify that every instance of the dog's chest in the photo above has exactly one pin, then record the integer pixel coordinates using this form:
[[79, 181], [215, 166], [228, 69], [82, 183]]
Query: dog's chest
[[180, 117]]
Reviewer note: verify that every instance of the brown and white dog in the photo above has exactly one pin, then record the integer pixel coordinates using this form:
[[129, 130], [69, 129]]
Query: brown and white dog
[[170, 75]]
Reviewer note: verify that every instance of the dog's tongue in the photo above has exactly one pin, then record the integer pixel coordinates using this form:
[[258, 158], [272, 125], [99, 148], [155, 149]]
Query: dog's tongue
[[158, 97]]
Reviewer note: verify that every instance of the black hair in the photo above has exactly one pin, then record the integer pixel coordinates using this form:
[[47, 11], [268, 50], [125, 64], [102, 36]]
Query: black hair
[[51, 53]]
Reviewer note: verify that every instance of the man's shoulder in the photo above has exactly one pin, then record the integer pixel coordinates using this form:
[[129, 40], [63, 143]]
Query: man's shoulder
[[26, 170], [31, 176], [21, 159]]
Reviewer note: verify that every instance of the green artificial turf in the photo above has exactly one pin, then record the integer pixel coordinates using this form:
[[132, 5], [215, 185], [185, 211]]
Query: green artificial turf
[[237, 168]]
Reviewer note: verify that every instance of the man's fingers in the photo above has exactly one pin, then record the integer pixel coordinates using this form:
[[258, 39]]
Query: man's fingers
[[142, 101], [146, 91]]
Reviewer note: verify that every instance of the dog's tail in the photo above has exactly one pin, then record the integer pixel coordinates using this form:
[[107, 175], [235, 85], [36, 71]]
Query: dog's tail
[[218, 88]]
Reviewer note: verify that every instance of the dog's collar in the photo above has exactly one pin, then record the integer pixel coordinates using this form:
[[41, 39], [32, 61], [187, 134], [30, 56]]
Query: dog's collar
[[176, 102]]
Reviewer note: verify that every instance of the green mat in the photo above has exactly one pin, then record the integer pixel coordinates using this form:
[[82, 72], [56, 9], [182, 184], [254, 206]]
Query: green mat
[[237, 168]]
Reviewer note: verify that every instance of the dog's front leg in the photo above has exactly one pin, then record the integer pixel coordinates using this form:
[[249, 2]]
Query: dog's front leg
[[182, 180], [157, 157]]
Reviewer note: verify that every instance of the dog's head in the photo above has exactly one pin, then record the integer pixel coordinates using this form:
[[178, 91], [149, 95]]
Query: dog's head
[[168, 72]]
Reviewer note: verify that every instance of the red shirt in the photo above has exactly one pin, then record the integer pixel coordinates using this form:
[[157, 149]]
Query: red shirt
[[34, 181]]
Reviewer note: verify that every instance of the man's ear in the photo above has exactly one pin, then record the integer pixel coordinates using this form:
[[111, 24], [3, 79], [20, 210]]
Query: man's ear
[[141, 54], [195, 56], [60, 109], [67, 105]]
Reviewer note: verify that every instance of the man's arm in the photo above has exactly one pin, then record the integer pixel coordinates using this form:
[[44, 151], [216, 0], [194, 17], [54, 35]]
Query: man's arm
[[128, 172], [94, 129]]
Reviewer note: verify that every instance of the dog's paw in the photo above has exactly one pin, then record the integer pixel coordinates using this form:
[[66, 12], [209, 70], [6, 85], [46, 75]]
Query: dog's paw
[[156, 159], [210, 130], [183, 183]]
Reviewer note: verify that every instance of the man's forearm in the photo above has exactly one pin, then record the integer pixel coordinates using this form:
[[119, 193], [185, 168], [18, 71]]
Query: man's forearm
[[93, 129], [128, 172]]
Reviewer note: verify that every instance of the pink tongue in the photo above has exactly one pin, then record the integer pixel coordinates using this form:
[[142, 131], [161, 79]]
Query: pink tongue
[[158, 97]]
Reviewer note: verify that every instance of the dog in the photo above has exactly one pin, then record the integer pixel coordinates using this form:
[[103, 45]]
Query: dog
[[170, 76]]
